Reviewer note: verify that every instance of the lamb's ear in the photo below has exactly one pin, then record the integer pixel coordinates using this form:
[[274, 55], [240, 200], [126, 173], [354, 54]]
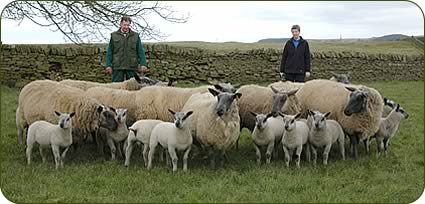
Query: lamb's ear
[[72, 114], [385, 101], [398, 107], [113, 109], [99, 108], [171, 111], [274, 90], [187, 115], [310, 112], [131, 129], [237, 95], [213, 92], [281, 114], [327, 114], [252, 113], [137, 78], [290, 93], [350, 88], [269, 115], [57, 113], [218, 87], [297, 115]]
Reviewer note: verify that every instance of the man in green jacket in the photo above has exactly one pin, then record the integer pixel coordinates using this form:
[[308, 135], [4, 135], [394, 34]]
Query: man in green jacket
[[125, 55]]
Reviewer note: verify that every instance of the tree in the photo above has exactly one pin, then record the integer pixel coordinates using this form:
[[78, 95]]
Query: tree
[[90, 21]]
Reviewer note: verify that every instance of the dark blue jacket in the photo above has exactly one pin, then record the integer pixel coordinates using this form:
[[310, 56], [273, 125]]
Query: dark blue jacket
[[295, 60]]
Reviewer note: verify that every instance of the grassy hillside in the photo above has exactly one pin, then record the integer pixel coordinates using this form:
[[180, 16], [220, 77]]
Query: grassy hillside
[[90, 177]]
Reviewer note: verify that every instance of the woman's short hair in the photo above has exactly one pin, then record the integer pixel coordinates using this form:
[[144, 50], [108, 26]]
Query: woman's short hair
[[296, 27]]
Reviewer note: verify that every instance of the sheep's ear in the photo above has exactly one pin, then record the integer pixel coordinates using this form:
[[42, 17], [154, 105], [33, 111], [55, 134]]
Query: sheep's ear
[[310, 112], [252, 113], [218, 87], [290, 93], [398, 107], [99, 108], [213, 92], [385, 100], [350, 88], [57, 113], [131, 129], [72, 114], [237, 86], [137, 78], [187, 115], [171, 83], [327, 114], [269, 115], [237, 96], [171, 111], [274, 90], [297, 115], [113, 110]]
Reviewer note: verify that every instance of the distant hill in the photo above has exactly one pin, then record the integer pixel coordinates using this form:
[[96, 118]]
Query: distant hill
[[391, 37], [273, 40]]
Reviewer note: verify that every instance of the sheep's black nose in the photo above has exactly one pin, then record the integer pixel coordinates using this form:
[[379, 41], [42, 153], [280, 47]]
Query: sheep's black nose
[[61, 125], [317, 125], [275, 114], [220, 112]]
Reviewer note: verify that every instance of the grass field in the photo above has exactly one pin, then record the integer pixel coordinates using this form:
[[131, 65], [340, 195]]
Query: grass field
[[88, 177]]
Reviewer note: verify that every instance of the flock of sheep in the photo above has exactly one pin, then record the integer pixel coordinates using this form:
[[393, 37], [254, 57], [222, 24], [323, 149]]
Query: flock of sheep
[[293, 117]]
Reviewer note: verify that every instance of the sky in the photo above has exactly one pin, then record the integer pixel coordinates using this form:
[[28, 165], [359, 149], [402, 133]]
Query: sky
[[251, 21]]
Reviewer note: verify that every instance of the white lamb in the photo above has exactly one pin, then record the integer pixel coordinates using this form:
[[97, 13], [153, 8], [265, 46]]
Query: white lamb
[[294, 137], [323, 133], [50, 135], [139, 131], [172, 136], [115, 137]]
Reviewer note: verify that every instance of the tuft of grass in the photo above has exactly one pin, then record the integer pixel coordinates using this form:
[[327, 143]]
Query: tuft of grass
[[90, 177]]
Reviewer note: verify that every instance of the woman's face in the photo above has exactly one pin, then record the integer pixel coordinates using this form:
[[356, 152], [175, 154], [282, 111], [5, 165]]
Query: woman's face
[[295, 33]]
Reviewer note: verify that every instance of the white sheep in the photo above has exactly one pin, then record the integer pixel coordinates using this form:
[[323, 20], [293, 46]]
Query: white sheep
[[46, 134], [132, 84], [268, 132], [116, 137], [139, 131], [38, 98], [294, 138], [387, 129], [323, 133], [172, 136], [215, 122], [342, 78], [357, 109]]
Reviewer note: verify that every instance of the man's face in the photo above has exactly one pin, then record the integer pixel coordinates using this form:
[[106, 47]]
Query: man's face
[[125, 25], [295, 33]]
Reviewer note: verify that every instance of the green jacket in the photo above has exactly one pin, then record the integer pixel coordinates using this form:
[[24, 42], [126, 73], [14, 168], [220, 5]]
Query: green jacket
[[125, 52]]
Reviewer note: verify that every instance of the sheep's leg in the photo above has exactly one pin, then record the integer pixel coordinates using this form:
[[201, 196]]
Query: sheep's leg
[[221, 157], [326, 153], [366, 145], [298, 154], [354, 139], [112, 147], [118, 145], [269, 152], [237, 142], [29, 150], [257, 153], [287, 156], [341, 147], [386, 141], [19, 127], [56, 154], [167, 158], [145, 153], [211, 155], [307, 152], [275, 151], [129, 150], [150, 156], [185, 156], [314, 151], [379, 146], [43, 156], [63, 155], [173, 155], [161, 154]]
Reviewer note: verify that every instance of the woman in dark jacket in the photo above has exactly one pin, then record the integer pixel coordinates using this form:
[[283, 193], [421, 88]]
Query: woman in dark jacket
[[295, 63]]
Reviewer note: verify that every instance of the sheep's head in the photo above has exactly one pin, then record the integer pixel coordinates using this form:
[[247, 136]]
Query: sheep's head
[[107, 117], [279, 100], [357, 102], [134, 83], [225, 101], [319, 119], [227, 87], [342, 78], [261, 120], [121, 115], [65, 119], [290, 121], [180, 118]]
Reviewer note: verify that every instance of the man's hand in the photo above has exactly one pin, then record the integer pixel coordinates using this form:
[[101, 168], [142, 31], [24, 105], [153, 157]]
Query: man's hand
[[108, 70], [307, 74], [143, 69]]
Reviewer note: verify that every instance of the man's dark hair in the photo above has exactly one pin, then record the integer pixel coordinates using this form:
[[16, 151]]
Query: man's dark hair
[[296, 27], [125, 18]]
